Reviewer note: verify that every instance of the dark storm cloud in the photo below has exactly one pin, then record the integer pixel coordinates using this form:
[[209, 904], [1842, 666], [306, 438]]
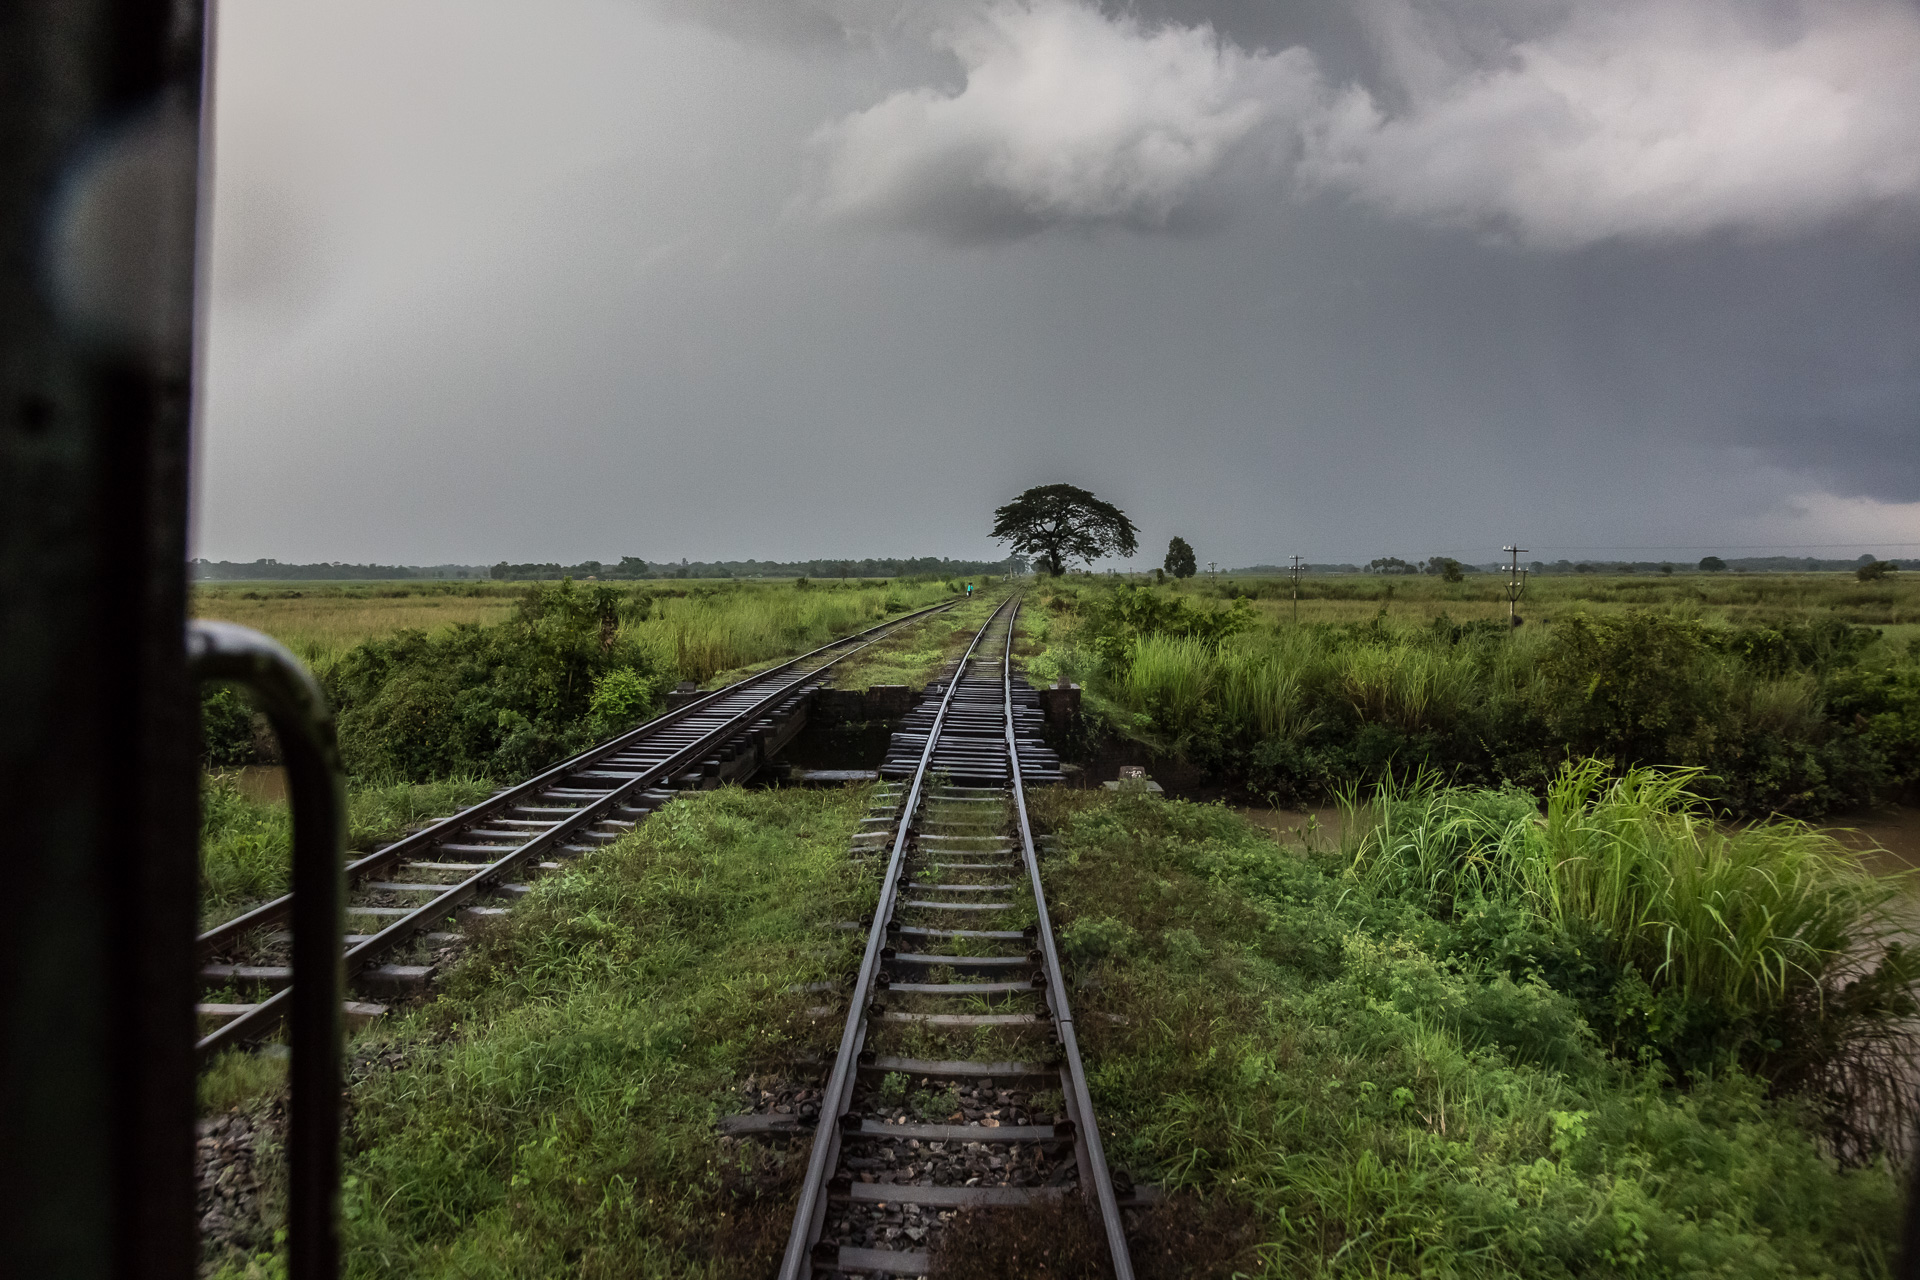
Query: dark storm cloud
[[591, 277]]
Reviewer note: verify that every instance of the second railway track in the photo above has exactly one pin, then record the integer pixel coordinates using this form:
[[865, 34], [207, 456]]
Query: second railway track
[[403, 896], [959, 959]]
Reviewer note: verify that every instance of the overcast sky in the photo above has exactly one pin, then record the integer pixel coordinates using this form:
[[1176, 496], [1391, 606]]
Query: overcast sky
[[568, 279]]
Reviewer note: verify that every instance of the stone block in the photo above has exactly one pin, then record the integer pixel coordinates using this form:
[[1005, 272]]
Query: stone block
[[1061, 702], [889, 701]]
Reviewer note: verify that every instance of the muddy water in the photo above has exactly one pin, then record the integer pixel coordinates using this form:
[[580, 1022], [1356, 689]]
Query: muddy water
[[261, 783], [1297, 828], [1889, 839]]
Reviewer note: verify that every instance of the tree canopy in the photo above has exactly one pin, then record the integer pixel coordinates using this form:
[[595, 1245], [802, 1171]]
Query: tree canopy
[[1180, 562], [1057, 522], [1874, 570]]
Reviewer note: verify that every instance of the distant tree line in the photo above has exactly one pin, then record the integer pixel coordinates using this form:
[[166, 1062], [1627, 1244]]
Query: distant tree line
[[627, 568], [1870, 567], [273, 570], [633, 567]]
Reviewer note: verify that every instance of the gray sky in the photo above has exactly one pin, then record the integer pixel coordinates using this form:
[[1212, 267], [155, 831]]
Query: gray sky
[[791, 278]]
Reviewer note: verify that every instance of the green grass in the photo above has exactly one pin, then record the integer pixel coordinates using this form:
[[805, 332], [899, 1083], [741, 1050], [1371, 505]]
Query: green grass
[[320, 621], [245, 843], [1337, 1072], [730, 629], [1382, 1096], [1798, 712], [553, 1113], [1766, 945], [912, 657], [1721, 597], [703, 628]]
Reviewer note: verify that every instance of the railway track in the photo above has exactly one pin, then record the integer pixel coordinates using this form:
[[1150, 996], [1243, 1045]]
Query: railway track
[[403, 898], [959, 1001]]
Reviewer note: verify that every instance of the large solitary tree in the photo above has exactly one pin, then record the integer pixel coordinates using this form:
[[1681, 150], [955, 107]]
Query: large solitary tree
[[1055, 523], [1180, 562]]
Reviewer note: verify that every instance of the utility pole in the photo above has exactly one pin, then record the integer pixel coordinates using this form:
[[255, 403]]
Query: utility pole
[[1211, 572], [1294, 572], [1516, 583]]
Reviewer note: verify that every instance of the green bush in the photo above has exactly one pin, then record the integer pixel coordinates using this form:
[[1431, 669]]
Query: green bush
[[1792, 717], [1766, 947], [1379, 1086], [226, 728], [502, 700]]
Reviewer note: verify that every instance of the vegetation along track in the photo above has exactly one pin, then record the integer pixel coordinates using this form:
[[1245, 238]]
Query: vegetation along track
[[959, 982], [403, 897]]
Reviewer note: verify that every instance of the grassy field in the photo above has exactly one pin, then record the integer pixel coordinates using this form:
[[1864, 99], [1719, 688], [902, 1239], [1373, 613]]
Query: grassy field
[[1371, 1074], [431, 719], [708, 629], [320, 621], [913, 656], [1796, 693], [1338, 1065], [1715, 597], [551, 1113]]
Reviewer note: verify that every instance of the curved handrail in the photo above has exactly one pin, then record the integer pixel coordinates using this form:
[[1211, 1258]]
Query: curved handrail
[[316, 785]]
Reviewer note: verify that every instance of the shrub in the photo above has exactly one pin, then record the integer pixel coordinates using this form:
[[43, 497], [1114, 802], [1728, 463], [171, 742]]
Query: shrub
[[1765, 946], [226, 728], [1626, 687], [501, 700]]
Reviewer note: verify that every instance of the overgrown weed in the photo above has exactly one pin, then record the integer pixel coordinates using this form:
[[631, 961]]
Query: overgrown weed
[[1367, 1070]]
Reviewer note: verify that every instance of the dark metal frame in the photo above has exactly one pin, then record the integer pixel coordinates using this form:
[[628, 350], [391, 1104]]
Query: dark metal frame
[[97, 746], [316, 787]]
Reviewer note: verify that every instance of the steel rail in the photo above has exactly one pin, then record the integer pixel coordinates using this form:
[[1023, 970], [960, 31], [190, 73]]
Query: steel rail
[[1086, 1131], [275, 910], [264, 1016], [809, 1214]]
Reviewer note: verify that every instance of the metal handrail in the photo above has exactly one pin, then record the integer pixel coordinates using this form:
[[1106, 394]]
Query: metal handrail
[[316, 786]]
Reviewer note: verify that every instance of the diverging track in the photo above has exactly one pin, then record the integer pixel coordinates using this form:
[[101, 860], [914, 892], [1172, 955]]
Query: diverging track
[[959, 985], [405, 897]]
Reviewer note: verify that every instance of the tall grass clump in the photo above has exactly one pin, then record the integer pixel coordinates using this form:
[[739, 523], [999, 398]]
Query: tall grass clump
[[1794, 716], [1376, 1088], [1769, 946], [1263, 691], [1169, 677], [1407, 687], [706, 634]]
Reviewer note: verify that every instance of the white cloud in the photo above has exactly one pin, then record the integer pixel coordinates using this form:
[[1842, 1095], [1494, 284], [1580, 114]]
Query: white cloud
[[1834, 525], [1066, 116], [1640, 119]]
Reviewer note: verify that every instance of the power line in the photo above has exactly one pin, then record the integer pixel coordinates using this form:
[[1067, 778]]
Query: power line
[[1722, 546]]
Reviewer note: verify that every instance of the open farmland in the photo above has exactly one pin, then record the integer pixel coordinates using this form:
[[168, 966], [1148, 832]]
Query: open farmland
[[1792, 693], [320, 621], [1893, 601]]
